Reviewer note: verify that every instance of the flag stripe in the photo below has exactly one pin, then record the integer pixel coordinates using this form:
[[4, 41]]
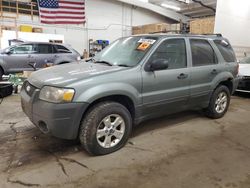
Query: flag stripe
[[72, 3], [74, 8], [62, 11], [61, 22], [64, 17]]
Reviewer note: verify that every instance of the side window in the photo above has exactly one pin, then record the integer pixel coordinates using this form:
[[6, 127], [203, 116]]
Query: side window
[[62, 49], [44, 49], [226, 50], [23, 49], [174, 51], [202, 53]]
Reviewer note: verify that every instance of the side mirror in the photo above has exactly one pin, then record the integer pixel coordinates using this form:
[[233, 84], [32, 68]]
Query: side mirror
[[8, 51], [158, 64]]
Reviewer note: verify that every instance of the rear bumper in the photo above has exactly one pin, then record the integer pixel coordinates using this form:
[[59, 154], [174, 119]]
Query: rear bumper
[[244, 84], [59, 120]]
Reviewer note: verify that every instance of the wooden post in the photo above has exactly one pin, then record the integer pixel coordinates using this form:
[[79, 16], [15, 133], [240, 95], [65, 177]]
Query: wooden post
[[17, 9], [1, 4], [31, 9]]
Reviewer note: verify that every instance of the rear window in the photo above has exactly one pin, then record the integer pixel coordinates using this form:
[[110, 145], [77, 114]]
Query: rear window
[[226, 50], [62, 49], [202, 53]]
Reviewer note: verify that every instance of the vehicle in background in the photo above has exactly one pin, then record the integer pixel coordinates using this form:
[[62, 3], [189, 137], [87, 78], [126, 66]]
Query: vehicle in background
[[132, 80], [26, 56], [244, 73]]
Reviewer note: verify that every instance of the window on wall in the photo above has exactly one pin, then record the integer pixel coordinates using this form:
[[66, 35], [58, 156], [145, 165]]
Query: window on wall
[[30, 8], [202, 53]]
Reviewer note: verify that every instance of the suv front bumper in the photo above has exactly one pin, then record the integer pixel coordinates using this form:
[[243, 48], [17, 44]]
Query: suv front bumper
[[59, 120]]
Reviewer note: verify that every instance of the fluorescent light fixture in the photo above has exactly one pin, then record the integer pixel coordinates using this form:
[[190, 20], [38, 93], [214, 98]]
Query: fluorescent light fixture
[[145, 1], [171, 6]]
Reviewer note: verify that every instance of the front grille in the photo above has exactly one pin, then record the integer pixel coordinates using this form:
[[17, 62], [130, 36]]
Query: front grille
[[30, 89]]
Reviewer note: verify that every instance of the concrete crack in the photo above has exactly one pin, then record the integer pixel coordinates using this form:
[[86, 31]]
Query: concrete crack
[[58, 162], [12, 127], [77, 162], [138, 148], [23, 183]]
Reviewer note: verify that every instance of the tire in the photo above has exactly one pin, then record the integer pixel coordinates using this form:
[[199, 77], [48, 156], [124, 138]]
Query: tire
[[219, 102], [1, 74], [110, 139]]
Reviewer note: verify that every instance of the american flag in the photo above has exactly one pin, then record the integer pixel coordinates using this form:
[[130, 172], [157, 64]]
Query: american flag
[[62, 11]]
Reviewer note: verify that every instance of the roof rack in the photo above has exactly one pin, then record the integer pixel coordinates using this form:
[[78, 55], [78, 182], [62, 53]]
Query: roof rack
[[216, 34]]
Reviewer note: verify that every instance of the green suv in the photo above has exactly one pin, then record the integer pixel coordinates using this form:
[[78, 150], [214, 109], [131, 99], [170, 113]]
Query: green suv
[[134, 79]]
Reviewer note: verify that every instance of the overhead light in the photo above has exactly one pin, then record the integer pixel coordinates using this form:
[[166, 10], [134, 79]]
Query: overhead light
[[171, 6], [145, 1]]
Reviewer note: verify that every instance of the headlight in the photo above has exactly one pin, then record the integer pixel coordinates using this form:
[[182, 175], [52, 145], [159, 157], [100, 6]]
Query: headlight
[[56, 95], [78, 58]]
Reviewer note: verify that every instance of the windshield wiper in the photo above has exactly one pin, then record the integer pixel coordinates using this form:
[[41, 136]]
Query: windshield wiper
[[90, 59], [124, 65], [104, 62]]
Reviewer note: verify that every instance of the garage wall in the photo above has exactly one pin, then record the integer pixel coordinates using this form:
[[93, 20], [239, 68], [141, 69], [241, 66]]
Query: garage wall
[[106, 19], [233, 21]]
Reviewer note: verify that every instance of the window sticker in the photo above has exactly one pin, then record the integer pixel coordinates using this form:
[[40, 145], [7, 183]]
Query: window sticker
[[149, 41], [143, 46]]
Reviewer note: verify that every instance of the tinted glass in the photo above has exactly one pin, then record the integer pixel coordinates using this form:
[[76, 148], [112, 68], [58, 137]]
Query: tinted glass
[[62, 49], [226, 50], [22, 49], [202, 53], [44, 49], [173, 51]]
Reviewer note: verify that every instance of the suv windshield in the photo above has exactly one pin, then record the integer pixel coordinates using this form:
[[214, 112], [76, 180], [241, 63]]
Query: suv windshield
[[126, 51]]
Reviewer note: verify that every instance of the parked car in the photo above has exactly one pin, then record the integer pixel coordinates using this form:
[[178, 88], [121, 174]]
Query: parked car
[[23, 57], [134, 79], [244, 73]]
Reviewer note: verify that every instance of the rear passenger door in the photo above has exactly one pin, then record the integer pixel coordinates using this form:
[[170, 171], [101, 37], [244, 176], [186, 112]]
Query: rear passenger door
[[44, 55], [62, 55], [205, 68]]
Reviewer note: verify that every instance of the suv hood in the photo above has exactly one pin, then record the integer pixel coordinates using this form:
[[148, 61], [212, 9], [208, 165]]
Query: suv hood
[[63, 75]]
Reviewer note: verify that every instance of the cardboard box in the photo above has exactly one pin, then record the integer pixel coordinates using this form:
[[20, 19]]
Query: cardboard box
[[175, 27], [37, 30], [25, 28], [151, 28], [202, 26], [27, 74]]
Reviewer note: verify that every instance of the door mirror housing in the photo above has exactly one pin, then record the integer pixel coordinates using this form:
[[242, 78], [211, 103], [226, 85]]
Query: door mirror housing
[[8, 51], [158, 64]]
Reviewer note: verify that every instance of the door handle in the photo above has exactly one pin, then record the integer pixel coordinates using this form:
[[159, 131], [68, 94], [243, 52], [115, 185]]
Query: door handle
[[182, 76], [214, 71], [30, 56]]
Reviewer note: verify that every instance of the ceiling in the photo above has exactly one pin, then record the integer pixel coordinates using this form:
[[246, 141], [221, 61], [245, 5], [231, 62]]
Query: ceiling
[[191, 9]]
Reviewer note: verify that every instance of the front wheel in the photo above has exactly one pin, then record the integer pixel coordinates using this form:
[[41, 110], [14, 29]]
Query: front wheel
[[105, 128], [219, 102]]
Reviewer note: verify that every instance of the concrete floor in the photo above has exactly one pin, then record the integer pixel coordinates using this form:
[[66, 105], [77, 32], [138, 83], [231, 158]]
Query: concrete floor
[[185, 150]]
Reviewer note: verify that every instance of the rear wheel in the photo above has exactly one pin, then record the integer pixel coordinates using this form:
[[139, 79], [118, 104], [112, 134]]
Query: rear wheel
[[105, 128], [219, 102], [1, 74]]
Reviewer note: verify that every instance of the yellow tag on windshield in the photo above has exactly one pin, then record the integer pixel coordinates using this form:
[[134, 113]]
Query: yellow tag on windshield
[[143, 46]]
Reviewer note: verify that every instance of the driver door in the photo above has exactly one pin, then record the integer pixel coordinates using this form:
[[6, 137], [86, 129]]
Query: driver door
[[19, 57], [167, 91]]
